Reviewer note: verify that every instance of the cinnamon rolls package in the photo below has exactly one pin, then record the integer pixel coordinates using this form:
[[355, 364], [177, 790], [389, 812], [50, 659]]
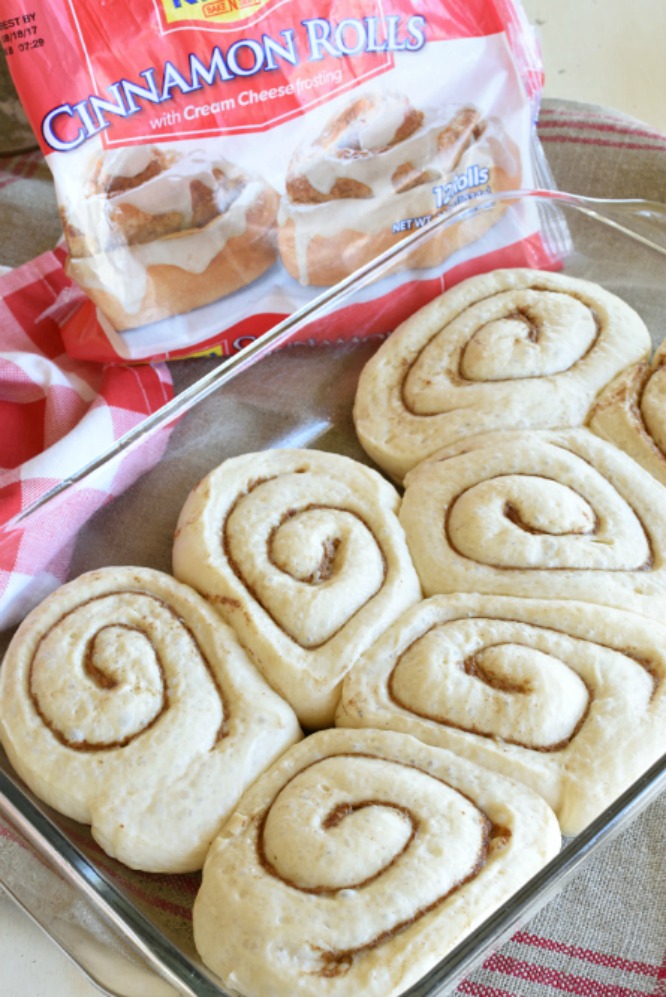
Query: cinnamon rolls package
[[378, 161], [217, 165], [161, 233]]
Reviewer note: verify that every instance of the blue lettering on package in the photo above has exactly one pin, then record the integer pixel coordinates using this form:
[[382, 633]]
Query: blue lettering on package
[[69, 125], [474, 176]]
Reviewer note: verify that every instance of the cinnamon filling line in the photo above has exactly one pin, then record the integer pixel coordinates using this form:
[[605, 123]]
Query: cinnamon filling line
[[336, 962], [514, 516], [106, 682], [534, 326], [470, 665], [324, 572]]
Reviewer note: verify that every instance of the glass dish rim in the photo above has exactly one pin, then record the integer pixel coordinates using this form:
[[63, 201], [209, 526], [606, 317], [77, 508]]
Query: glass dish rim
[[637, 218], [640, 220], [136, 929]]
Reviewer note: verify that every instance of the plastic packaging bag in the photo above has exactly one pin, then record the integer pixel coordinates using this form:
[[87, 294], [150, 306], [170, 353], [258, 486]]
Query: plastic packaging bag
[[218, 162]]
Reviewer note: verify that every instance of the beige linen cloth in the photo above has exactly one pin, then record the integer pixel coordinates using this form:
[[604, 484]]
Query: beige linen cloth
[[604, 934]]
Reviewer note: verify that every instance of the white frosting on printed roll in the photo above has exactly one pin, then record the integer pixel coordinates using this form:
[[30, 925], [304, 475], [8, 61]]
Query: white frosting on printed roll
[[568, 697], [510, 349], [562, 515], [127, 266], [159, 232], [358, 861], [302, 553], [358, 186], [369, 151], [130, 161], [168, 186], [126, 703]]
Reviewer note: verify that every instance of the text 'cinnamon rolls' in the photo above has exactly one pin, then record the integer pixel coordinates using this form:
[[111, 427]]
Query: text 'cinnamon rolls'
[[509, 349], [127, 704], [358, 861], [302, 553], [569, 698]]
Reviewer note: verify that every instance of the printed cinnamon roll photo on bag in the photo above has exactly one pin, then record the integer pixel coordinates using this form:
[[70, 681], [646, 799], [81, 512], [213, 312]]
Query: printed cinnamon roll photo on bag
[[381, 168], [216, 165], [159, 232]]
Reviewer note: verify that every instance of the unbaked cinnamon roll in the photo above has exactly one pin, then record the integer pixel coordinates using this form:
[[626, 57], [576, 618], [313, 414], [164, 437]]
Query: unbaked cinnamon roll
[[381, 168], [302, 553], [631, 413], [559, 515], [160, 233], [358, 861], [127, 704], [510, 349], [569, 698]]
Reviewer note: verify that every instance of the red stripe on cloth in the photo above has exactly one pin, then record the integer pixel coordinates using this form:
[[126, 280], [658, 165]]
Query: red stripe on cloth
[[574, 139], [26, 164], [579, 112], [6, 832], [27, 305], [31, 163], [6, 180], [595, 115], [587, 955], [145, 896], [473, 989], [660, 989], [616, 128], [569, 983], [22, 431], [10, 547], [187, 883], [19, 168], [135, 390]]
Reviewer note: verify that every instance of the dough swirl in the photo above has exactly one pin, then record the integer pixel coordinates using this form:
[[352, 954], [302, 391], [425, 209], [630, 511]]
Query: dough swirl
[[568, 698], [125, 703], [560, 515], [302, 553], [511, 349], [631, 413], [330, 846]]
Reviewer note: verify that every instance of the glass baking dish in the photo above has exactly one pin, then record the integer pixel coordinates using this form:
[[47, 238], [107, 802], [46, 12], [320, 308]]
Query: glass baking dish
[[130, 932]]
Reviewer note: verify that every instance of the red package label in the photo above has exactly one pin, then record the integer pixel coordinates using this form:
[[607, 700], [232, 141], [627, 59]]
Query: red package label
[[218, 161], [244, 71]]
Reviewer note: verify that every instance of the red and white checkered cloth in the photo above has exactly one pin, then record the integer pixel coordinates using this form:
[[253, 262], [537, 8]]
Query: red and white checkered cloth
[[56, 414]]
